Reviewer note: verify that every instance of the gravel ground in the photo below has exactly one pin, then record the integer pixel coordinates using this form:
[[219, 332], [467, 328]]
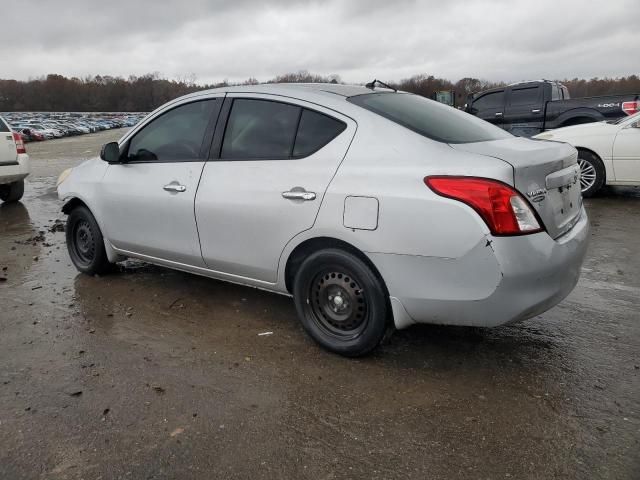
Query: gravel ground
[[150, 373]]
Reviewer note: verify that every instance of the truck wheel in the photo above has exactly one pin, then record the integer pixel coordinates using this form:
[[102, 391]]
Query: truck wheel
[[341, 303], [85, 242], [12, 192], [592, 173]]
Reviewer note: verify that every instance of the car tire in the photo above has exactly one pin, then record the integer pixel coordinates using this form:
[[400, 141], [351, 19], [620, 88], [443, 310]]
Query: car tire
[[592, 173], [341, 302], [12, 192], [85, 243]]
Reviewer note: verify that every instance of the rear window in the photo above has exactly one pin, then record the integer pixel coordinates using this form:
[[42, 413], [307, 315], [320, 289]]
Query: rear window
[[428, 118], [3, 126]]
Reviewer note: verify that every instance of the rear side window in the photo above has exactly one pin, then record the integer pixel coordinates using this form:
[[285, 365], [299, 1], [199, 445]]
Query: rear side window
[[3, 126], [176, 135], [314, 132], [524, 96], [428, 118], [268, 130], [260, 129], [489, 100]]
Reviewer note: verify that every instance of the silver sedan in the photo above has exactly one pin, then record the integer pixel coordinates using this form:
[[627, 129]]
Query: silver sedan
[[373, 208]]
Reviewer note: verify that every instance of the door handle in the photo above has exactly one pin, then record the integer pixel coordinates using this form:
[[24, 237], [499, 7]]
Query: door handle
[[498, 114], [174, 187], [299, 195], [535, 110]]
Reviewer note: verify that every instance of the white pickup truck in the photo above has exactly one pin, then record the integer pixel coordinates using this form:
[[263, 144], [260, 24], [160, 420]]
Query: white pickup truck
[[14, 164]]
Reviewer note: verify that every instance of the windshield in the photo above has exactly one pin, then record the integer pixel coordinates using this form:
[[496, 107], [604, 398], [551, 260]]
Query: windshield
[[432, 119]]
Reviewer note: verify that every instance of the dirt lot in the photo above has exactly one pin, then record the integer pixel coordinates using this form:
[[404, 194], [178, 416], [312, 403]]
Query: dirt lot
[[151, 373]]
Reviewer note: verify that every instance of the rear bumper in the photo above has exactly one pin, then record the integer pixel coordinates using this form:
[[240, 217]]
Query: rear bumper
[[15, 172], [500, 280]]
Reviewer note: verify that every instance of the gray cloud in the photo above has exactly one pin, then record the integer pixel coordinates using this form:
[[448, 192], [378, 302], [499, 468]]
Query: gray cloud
[[215, 40]]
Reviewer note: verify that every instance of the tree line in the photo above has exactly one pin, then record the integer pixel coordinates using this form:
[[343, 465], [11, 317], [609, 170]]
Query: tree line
[[145, 93]]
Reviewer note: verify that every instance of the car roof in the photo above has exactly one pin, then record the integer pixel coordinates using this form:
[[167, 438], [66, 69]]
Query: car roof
[[299, 90], [329, 95]]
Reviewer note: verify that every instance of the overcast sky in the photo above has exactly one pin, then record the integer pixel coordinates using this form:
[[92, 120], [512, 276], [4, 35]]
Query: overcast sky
[[214, 40]]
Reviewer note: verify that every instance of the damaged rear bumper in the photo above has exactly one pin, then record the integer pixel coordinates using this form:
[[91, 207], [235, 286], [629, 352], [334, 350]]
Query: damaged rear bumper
[[500, 280]]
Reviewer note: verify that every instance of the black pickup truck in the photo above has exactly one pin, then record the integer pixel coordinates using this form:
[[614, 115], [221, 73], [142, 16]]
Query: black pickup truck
[[528, 108]]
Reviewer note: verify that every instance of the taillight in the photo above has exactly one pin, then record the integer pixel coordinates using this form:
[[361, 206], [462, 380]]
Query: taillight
[[19, 143], [631, 107], [502, 208]]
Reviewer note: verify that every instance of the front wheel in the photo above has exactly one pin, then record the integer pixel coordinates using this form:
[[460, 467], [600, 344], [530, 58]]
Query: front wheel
[[85, 242], [341, 302], [12, 192], [592, 173]]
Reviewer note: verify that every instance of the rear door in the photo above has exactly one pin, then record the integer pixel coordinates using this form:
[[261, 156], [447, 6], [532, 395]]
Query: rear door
[[8, 152], [272, 163], [146, 204], [626, 153], [490, 107], [524, 111]]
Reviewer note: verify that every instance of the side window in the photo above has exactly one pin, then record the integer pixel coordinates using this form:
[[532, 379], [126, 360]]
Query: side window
[[489, 100], [314, 132], [524, 96], [555, 92], [176, 135], [260, 129]]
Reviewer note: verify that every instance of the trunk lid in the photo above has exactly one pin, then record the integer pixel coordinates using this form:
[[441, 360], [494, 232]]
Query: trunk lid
[[545, 173]]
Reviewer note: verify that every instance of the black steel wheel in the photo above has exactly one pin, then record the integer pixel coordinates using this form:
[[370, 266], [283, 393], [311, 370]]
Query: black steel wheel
[[338, 303], [85, 242], [341, 302]]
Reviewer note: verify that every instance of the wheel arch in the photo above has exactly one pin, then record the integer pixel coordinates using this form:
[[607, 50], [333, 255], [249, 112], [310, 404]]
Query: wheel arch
[[73, 202], [314, 244], [579, 116]]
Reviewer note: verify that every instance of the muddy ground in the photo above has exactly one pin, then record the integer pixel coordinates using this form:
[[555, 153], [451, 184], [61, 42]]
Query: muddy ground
[[150, 373]]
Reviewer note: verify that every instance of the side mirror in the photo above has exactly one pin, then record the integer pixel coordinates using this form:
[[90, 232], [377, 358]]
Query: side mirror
[[110, 152]]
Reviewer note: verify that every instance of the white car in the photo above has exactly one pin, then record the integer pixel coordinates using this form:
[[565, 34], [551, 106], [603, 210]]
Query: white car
[[371, 207], [608, 153], [14, 164]]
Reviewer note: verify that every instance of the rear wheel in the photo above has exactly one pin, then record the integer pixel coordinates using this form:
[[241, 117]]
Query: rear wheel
[[341, 302], [12, 192], [85, 242], [592, 173]]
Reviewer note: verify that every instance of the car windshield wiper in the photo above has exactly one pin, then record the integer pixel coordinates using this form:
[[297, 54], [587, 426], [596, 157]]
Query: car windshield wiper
[[372, 85]]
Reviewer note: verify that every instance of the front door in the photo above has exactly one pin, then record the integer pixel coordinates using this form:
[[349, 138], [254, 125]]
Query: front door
[[626, 153], [490, 107], [275, 159], [147, 201]]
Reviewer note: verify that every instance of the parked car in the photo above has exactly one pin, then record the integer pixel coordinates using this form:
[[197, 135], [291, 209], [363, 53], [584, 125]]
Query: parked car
[[29, 134], [370, 207], [14, 164], [529, 108], [608, 153]]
